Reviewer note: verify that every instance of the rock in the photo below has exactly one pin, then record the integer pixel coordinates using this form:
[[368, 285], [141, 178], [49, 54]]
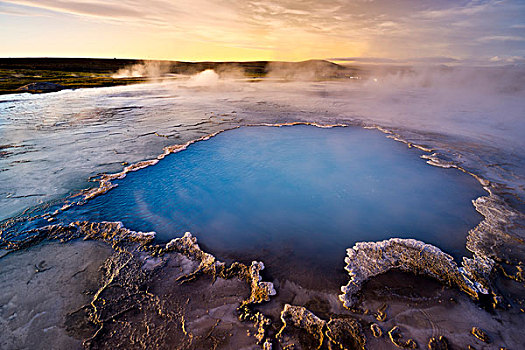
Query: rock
[[396, 338], [340, 333], [377, 332], [438, 343], [345, 334], [261, 323], [368, 259], [41, 87], [501, 232], [302, 318], [267, 345], [261, 291], [187, 245], [480, 334], [113, 233], [381, 313]]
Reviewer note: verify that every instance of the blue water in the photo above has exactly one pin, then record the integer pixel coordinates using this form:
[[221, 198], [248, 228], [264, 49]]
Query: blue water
[[294, 197]]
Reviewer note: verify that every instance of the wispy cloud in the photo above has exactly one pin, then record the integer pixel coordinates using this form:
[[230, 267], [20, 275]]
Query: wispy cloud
[[467, 9], [511, 59], [501, 38], [84, 8]]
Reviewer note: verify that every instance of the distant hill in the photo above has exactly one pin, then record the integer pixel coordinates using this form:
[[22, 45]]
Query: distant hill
[[101, 65], [92, 65]]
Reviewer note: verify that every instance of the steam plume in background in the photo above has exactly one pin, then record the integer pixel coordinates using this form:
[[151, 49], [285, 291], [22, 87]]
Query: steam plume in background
[[146, 69], [204, 78], [481, 80]]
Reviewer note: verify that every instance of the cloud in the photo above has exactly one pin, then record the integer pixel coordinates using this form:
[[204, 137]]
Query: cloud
[[432, 30], [501, 38], [511, 59], [16, 12], [468, 9], [83, 8]]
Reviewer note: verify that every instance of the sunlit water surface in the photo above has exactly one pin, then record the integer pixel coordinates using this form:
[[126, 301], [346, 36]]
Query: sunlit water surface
[[293, 197]]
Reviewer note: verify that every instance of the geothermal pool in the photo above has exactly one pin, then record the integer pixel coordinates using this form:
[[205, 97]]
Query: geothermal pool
[[294, 197]]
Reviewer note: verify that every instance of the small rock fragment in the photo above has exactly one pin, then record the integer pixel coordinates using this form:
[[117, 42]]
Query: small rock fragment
[[381, 313], [345, 333], [41, 86], [261, 291], [302, 318], [438, 343], [396, 338], [376, 330], [480, 334], [261, 323]]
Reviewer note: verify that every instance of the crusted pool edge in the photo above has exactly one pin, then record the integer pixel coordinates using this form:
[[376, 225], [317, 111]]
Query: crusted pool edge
[[492, 241], [368, 259]]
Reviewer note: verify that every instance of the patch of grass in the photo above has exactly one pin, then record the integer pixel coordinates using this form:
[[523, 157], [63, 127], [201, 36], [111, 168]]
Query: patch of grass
[[12, 79]]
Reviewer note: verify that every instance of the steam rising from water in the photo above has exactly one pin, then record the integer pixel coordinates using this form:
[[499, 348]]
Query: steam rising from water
[[147, 69], [50, 144], [204, 78], [466, 80]]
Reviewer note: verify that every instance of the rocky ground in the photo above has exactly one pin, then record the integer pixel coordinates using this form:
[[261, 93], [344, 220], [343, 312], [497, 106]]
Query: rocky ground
[[104, 286]]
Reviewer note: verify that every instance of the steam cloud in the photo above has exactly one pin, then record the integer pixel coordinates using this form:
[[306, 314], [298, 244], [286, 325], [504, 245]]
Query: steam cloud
[[147, 69], [481, 103], [204, 78]]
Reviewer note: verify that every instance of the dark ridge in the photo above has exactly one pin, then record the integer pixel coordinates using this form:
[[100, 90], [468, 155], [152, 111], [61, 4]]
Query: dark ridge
[[97, 72], [92, 65], [105, 65]]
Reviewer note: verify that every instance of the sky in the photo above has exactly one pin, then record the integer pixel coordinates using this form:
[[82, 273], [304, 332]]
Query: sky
[[367, 31]]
